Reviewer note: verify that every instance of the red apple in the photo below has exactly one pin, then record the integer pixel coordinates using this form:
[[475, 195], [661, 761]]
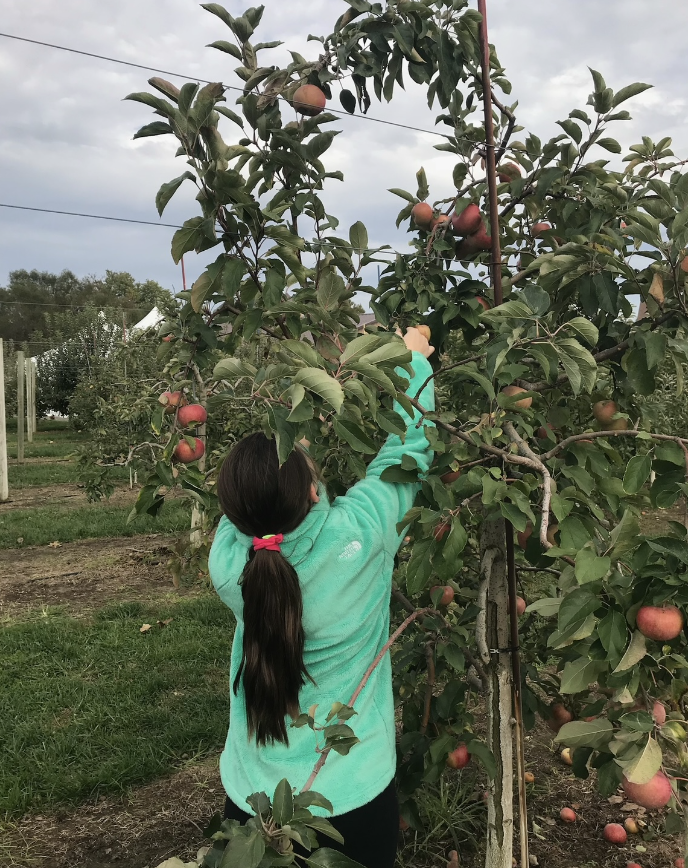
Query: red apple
[[544, 432], [684, 264], [615, 833], [459, 757], [309, 100], [403, 825], [422, 215], [483, 302], [481, 240], [558, 716], [680, 863], [185, 454], [633, 865], [568, 815], [521, 605], [172, 400], [631, 826], [659, 622], [655, 794], [604, 411], [523, 536], [192, 414], [468, 221], [539, 228], [447, 594], [523, 404], [441, 531], [659, 713], [450, 476], [168, 338], [508, 172], [439, 222]]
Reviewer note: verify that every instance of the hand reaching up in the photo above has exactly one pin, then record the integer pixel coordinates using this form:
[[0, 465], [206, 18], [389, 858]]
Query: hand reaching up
[[416, 340]]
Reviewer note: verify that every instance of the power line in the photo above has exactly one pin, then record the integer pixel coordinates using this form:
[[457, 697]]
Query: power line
[[205, 81], [91, 216], [153, 223]]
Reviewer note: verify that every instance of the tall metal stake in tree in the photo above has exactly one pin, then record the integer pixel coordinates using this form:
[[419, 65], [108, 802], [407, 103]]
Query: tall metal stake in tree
[[4, 474], [21, 379], [499, 558]]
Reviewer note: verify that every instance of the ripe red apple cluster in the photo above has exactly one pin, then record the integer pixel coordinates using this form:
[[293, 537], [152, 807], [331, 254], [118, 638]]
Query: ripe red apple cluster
[[188, 415]]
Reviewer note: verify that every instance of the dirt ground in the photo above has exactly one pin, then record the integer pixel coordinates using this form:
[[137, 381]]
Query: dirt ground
[[84, 575], [136, 830], [67, 494]]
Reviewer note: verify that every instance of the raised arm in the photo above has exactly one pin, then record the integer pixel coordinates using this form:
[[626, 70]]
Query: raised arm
[[383, 504]]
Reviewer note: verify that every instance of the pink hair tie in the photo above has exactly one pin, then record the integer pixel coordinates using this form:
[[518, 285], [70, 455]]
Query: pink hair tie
[[271, 542]]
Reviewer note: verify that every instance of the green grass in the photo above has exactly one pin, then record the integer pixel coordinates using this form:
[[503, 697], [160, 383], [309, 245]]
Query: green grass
[[46, 525], [51, 443], [60, 473], [90, 707]]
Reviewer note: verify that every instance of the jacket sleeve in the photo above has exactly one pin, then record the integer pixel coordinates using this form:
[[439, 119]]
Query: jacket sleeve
[[372, 502]]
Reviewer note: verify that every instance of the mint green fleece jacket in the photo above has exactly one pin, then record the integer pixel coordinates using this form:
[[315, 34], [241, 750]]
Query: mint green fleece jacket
[[343, 554]]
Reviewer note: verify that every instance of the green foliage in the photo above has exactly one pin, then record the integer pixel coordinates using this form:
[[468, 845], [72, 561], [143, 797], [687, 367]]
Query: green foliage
[[271, 325]]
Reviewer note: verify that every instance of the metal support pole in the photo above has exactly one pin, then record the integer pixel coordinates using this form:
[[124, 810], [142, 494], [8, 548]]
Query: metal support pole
[[4, 469], [28, 364], [21, 379]]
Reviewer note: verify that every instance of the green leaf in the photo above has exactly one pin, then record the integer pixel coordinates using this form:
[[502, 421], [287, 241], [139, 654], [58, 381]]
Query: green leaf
[[358, 347], [394, 352], [220, 11], [227, 47], [590, 567], [187, 238], [642, 768], [348, 101], [609, 145], [634, 653], [320, 824], [638, 721], [358, 236], [283, 803], [309, 798], [244, 851], [354, 436], [326, 858], [303, 350], [628, 92], [330, 289], [581, 733], [319, 381], [637, 473], [547, 606], [157, 128], [579, 674], [624, 537], [585, 329], [403, 194], [228, 369], [613, 633]]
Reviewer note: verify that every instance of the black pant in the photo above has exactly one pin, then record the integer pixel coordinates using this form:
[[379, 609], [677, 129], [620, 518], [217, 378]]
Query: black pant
[[370, 833]]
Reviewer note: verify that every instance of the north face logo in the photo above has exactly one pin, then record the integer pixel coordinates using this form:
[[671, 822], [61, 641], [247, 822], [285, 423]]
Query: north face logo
[[352, 549]]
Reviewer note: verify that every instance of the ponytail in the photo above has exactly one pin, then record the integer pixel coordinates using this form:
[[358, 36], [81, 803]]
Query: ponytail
[[259, 497]]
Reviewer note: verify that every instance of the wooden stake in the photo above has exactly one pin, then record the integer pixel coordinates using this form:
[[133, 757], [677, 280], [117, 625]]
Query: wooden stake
[[34, 374], [4, 472], [21, 378]]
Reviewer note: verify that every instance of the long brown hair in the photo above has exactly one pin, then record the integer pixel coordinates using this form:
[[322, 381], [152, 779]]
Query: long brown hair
[[259, 497]]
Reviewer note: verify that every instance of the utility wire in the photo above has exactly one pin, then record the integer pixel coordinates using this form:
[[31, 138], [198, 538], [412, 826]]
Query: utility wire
[[90, 216], [205, 81], [169, 225]]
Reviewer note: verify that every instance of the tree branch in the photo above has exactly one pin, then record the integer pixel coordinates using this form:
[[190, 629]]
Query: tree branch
[[524, 449]]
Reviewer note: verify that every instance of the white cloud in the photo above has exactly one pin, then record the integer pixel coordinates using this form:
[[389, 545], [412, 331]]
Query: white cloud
[[65, 140]]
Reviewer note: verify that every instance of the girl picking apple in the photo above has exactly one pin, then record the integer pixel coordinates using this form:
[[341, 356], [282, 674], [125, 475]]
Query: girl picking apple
[[309, 582]]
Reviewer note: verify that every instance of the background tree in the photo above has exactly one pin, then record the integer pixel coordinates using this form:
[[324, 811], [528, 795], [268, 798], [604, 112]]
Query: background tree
[[32, 298], [539, 425]]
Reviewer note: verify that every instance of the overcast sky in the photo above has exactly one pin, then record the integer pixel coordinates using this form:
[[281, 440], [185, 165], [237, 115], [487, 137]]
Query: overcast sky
[[66, 135]]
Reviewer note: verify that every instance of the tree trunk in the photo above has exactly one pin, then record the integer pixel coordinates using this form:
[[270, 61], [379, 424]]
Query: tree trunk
[[494, 645]]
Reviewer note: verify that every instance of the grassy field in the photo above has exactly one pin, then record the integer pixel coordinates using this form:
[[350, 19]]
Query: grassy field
[[57, 473], [95, 705], [35, 527]]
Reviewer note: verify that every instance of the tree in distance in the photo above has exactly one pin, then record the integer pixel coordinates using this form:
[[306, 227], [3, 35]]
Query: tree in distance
[[309, 100], [185, 454], [659, 622]]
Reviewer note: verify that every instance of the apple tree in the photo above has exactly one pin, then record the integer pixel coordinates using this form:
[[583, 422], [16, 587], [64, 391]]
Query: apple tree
[[526, 277]]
